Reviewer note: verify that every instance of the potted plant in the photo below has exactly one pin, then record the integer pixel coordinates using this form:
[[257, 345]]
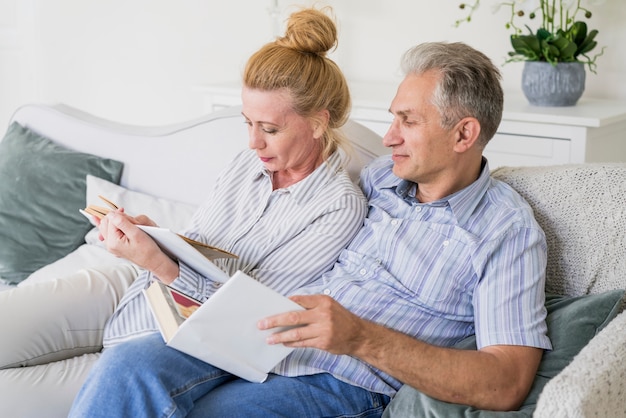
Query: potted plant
[[556, 53]]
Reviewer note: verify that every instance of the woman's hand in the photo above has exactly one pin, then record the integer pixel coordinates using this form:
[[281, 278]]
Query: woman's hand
[[124, 239], [137, 220]]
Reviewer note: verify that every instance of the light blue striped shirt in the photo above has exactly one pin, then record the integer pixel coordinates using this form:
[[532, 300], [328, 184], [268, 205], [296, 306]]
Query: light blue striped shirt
[[285, 238], [471, 263]]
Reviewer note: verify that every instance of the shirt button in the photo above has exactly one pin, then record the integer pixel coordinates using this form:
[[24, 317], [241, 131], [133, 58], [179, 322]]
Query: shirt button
[[327, 291], [418, 209], [446, 243], [216, 284], [362, 272], [394, 222], [379, 261]]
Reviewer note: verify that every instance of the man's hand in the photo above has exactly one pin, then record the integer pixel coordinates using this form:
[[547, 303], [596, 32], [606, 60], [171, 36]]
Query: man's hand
[[325, 325], [495, 377]]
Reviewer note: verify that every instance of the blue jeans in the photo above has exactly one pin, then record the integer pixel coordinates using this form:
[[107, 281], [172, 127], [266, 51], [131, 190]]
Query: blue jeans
[[145, 378]]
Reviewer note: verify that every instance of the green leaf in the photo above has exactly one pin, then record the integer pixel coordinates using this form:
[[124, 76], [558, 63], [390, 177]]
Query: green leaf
[[588, 44], [566, 49], [526, 45], [577, 32], [543, 34], [550, 52]]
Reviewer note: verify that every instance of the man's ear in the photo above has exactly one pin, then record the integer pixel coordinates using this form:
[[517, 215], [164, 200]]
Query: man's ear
[[467, 133]]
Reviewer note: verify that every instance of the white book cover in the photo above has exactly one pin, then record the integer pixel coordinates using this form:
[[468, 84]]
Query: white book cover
[[223, 331]]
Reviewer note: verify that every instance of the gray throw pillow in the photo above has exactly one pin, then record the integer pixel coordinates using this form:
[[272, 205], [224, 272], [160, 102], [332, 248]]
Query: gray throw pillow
[[42, 186], [572, 323]]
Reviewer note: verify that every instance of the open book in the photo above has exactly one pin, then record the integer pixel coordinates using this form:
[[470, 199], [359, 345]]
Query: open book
[[179, 247], [222, 331]]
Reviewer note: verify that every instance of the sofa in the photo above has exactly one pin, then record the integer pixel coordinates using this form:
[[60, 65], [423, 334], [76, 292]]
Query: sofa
[[55, 159]]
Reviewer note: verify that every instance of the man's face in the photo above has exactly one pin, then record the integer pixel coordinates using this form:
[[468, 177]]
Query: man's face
[[422, 151]]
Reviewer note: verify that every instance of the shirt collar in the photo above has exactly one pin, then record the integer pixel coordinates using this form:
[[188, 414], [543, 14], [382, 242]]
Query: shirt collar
[[305, 189], [462, 203], [465, 201]]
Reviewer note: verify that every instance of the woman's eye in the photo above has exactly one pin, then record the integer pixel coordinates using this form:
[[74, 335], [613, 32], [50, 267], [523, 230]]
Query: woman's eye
[[264, 129]]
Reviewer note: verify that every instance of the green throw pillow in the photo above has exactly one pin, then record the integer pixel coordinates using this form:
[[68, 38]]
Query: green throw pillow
[[42, 186], [572, 323]]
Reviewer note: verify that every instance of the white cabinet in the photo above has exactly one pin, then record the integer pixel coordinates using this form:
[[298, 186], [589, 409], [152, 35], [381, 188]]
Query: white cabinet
[[592, 131]]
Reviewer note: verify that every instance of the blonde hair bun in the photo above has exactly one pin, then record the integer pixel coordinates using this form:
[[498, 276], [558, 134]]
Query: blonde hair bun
[[311, 31]]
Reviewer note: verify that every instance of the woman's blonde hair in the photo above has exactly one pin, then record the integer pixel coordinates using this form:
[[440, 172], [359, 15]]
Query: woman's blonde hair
[[297, 62]]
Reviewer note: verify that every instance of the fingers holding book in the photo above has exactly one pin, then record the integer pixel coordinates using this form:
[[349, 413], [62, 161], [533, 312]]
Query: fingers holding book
[[124, 239]]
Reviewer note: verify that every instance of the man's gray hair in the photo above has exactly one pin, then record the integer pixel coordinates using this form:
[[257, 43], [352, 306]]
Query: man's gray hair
[[469, 83]]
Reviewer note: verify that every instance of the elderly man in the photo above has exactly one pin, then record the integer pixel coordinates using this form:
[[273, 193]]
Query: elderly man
[[445, 252]]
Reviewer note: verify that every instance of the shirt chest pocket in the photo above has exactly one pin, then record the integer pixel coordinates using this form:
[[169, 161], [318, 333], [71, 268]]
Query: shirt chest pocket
[[444, 276]]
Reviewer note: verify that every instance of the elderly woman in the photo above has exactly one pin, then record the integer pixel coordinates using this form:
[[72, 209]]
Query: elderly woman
[[287, 196]]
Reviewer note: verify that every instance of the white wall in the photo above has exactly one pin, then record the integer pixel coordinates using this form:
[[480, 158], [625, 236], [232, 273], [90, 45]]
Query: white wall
[[140, 61]]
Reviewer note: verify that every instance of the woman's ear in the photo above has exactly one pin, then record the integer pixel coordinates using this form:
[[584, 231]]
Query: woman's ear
[[320, 123], [467, 133]]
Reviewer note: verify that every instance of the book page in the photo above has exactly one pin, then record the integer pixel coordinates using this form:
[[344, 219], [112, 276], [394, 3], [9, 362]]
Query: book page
[[223, 330], [163, 308], [176, 247], [208, 251]]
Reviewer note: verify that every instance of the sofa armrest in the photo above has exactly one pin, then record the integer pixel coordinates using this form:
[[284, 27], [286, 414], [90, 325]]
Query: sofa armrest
[[594, 383]]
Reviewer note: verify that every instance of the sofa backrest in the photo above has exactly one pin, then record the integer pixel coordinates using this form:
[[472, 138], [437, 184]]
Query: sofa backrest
[[179, 162], [582, 210]]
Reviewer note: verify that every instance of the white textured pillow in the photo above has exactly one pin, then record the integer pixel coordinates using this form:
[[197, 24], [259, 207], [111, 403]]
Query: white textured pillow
[[582, 210], [166, 213]]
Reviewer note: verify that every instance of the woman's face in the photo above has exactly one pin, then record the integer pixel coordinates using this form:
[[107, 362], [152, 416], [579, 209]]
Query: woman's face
[[285, 142]]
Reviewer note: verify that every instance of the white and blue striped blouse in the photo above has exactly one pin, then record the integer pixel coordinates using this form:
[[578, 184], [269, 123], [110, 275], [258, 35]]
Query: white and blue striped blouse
[[284, 238]]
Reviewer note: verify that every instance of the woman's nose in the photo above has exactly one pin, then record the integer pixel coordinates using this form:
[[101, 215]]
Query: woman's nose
[[255, 141]]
